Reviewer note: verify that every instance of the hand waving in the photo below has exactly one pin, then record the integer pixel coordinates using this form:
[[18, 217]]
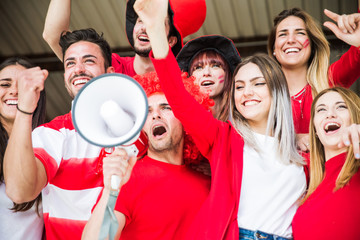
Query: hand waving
[[346, 27], [352, 136]]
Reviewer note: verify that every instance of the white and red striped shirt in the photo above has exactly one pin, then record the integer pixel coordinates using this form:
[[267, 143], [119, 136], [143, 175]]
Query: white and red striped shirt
[[74, 177]]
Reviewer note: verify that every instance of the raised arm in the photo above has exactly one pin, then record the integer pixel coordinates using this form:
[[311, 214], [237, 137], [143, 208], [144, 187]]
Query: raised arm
[[57, 20], [24, 174], [197, 121], [346, 70], [153, 13], [115, 164]]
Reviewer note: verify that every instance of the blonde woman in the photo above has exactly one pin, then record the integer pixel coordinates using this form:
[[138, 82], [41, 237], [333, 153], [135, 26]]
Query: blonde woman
[[331, 207]]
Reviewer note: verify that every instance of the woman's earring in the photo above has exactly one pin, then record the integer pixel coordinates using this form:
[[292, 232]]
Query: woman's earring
[[274, 54]]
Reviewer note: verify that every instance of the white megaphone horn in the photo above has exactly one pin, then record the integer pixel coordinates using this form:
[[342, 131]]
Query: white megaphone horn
[[109, 111]]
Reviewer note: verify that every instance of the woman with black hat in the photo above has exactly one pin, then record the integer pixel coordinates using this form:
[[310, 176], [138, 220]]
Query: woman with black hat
[[211, 60]]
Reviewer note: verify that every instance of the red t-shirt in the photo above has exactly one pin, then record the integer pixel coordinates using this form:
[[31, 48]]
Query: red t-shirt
[[124, 65], [160, 200], [327, 214]]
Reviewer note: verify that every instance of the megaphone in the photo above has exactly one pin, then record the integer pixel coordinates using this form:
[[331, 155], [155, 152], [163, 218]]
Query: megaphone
[[111, 110]]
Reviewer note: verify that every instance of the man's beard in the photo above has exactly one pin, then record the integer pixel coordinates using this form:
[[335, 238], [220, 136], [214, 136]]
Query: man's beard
[[170, 145], [142, 52], [165, 146]]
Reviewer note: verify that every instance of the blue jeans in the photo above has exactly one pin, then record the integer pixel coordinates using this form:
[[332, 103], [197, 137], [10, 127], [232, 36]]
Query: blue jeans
[[245, 234]]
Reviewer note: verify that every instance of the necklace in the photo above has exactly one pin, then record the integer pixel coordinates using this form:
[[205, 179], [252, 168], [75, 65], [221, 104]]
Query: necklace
[[300, 101]]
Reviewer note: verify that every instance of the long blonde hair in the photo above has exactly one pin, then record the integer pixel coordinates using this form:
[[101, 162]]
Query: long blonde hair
[[280, 122], [317, 154], [318, 64]]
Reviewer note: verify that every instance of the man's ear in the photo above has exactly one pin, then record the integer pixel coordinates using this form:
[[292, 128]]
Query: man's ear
[[110, 69], [172, 41]]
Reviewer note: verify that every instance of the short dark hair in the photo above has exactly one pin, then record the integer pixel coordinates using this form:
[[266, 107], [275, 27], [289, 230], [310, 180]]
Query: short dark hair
[[89, 35]]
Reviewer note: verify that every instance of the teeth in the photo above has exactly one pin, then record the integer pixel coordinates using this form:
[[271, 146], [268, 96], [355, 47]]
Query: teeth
[[11, 102], [250, 103], [289, 50], [142, 38], [80, 81], [207, 83], [331, 126]]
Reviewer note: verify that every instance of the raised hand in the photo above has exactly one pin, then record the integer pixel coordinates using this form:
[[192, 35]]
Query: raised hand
[[151, 12], [351, 136], [347, 27], [30, 83], [117, 163], [302, 142]]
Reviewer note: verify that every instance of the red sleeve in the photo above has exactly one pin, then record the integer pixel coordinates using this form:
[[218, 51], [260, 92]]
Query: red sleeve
[[346, 70], [124, 65], [128, 199], [197, 121]]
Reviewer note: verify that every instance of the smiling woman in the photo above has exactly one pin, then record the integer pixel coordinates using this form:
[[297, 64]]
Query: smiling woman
[[299, 45], [28, 215], [252, 97], [334, 170]]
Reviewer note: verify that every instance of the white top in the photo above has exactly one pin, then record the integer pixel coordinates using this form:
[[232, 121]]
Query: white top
[[19, 225], [269, 190]]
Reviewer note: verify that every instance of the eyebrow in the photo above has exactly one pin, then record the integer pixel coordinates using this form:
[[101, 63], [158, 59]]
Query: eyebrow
[[251, 80], [160, 105], [5, 79], [164, 104], [323, 104], [85, 56], [297, 29]]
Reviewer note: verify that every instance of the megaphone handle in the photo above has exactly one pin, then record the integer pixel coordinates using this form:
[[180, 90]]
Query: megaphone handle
[[131, 151], [115, 182]]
